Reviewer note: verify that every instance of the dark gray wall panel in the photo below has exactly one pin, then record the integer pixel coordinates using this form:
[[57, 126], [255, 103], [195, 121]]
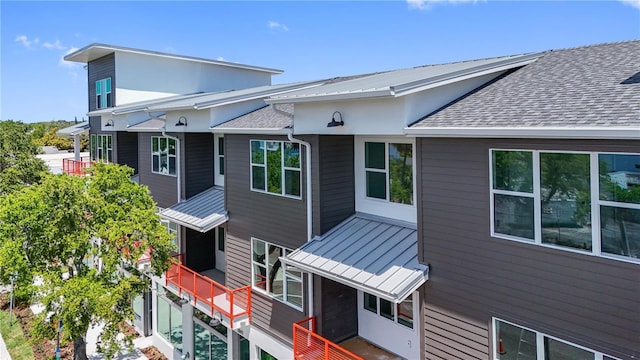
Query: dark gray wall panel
[[333, 181], [126, 150], [268, 314], [337, 318], [276, 219], [198, 160], [99, 69], [162, 187], [200, 250], [587, 300]]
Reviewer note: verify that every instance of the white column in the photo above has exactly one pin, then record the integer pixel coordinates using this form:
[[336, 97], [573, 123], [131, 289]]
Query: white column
[[76, 146], [187, 331]]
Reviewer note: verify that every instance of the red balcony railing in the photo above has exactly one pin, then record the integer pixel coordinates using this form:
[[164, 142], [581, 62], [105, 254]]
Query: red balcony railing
[[74, 167], [309, 345], [231, 304]]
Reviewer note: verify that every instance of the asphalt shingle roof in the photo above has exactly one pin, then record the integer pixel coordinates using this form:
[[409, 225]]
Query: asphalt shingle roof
[[274, 117], [590, 86]]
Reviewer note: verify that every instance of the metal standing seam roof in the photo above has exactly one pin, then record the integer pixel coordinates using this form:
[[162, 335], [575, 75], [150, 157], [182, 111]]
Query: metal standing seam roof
[[403, 81], [375, 255], [75, 129], [201, 212]]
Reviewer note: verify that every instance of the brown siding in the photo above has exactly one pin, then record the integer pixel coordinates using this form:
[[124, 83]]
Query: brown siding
[[126, 149], [162, 187], [587, 300], [99, 69], [198, 160], [333, 181], [338, 315]]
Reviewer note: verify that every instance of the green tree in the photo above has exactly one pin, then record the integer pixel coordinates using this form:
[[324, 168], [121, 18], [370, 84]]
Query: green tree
[[18, 164], [82, 237], [50, 138]]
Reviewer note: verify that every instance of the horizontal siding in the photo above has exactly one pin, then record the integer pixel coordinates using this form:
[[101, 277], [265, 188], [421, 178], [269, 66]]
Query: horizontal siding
[[99, 69], [198, 160], [268, 314], [587, 300], [273, 218], [162, 187], [126, 149]]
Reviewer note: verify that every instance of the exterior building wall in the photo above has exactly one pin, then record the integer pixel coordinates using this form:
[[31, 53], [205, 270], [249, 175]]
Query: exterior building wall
[[200, 250], [163, 187], [126, 151], [198, 160], [337, 317], [97, 70], [587, 300]]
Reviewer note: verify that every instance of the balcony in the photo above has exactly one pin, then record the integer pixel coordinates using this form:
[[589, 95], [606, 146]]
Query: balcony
[[231, 307], [75, 167], [309, 345]]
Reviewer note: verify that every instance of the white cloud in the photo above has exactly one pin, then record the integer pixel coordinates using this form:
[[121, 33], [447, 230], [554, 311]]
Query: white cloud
[[68, 64], [277, 25], [54, 45], [24, 40], [428, 4], [220, 58], [634, 3]]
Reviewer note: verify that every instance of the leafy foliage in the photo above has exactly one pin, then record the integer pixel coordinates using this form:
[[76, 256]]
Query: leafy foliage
[[77, 235], [18, 164]]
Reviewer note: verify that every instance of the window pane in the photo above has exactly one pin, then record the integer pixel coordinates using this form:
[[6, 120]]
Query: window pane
[[164, 166], [221, 146], [155, 166], [371, 303], [557, 350], [108, 97], [201, 341], [221, 165], [266, 356], [163, 145], [218, 347], [171, 143], [260, 277], [274, 167], [565, 200], [513, 215], [98, 87], [221, 239], [108, 84], [386, 309], [292, 182], [401, 173], [619, 178], [172, 165], [512, 170], [515, 342], [294, 291], [154, 144], [275, 276], [176, 328], [376, 185], [257, 181], [258, 252], [405, 312], [94, 147], [374, 155], [257, 152], [163, 316], [620, 230], [292, 155]]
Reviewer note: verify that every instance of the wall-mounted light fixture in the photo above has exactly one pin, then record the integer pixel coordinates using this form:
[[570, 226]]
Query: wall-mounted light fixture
[[217, 319], [334, 122], [109, 123], [182, 121]]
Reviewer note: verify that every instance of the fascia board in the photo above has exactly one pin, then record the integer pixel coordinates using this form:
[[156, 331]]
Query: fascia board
[[241, 98], [332, 97], [631, 133], [256, 131]]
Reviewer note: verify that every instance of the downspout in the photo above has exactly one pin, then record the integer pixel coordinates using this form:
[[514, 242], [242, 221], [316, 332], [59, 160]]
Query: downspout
[[309, 207]]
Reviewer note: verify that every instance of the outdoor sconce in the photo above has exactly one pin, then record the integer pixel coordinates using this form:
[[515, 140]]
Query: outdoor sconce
[[334, 122], [109, 123], [182, 121]]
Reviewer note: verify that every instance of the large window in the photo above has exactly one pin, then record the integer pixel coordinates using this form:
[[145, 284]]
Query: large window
[[389, 171], [103, 93], [163, 155], [402, 313], [275, 167], [270, 277], [101, 148], [169, 317], [513, 342], [583, 201], [172, 229]]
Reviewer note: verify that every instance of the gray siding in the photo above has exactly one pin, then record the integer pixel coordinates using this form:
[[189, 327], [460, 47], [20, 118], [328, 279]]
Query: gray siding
[[101, 69], [126, 149], [333, 181], [337, 318], [590, 301], [198, 160], [162, 187]]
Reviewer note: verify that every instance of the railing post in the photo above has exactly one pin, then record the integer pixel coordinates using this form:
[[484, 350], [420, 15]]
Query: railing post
[[231, 308], [326, 350]]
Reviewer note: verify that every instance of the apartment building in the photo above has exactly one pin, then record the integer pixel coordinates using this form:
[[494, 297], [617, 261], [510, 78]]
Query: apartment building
[[469, 210]]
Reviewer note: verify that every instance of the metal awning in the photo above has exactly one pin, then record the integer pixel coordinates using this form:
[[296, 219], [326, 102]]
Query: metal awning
[[202, 212], [74, 129], [372, 254]]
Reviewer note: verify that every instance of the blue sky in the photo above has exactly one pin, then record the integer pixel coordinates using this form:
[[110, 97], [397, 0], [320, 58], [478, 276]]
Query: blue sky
[[307, 39]]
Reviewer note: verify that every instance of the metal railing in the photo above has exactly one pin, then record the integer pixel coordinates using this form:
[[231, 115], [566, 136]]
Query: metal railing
[[309, 345], [202, 290], [74, 167]]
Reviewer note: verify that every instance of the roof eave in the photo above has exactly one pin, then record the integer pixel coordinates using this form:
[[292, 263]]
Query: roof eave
[[332, 97], [250, 131], [632, 133]]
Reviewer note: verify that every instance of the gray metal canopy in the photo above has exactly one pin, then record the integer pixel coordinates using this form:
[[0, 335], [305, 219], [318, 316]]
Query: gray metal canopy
[[372, 254], [202, 212]]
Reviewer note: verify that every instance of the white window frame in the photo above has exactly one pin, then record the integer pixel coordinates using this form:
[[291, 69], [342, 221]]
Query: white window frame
[[218, 158], [105, 149], [104, 97], [595, 203], [382, 207], [394, 307], [162, 153], [540, 336], [283, 168], [286, 275], [172, 229]]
